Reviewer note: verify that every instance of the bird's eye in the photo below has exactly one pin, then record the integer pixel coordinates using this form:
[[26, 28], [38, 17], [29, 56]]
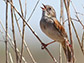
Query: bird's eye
[[49, 8]]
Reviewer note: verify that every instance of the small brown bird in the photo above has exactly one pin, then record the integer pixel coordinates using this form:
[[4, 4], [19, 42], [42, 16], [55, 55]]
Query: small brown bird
[[53, 29]]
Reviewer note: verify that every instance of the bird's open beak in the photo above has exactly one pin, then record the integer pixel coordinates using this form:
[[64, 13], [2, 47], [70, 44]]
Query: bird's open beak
[[44, 7]]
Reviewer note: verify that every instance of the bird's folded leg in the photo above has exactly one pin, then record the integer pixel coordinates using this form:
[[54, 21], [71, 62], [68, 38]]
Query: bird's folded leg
[[67, 42], [45, 45]]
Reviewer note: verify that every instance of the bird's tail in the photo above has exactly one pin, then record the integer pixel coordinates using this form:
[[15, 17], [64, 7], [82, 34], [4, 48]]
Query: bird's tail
[[67, 51]]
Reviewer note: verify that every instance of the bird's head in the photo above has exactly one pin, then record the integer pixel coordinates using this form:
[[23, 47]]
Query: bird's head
[[48, 11]]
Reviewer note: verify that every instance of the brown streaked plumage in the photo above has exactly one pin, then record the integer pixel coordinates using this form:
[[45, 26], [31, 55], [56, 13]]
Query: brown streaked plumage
[[53, 29]]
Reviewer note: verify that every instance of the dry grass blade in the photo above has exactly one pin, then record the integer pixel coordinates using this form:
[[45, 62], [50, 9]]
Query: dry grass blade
[[14, 32], [6, 46], [32, 31]]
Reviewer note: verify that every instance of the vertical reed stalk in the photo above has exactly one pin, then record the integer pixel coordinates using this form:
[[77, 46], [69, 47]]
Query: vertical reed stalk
[[61, 21], [6, 45], [67, 6], [13, 31], [22, 46]]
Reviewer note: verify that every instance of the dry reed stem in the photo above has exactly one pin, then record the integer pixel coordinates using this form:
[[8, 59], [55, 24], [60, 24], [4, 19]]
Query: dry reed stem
[[22, 46], [25, 44], [71, 19], [62, 22], [10, 56], [25, 8], [74, 19], [33, 10], [1, 30], [82, 42], [80, 21], [62, 13], [67, 5], [6, 46], [14, 32], [60, 53], [80, 13], [12, 43], [33, 33]]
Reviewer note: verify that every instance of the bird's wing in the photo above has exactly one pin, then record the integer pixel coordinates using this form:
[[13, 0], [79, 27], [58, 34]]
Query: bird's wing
[[62, 31], [60, 28]]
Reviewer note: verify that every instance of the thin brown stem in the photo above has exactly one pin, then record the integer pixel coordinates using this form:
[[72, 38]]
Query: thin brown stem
[[82, 42], [22, 46], [14, 32], [6, 46]]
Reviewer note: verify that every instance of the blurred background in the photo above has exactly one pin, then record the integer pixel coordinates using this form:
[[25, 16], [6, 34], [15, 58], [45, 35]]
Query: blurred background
[[41, 56]]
